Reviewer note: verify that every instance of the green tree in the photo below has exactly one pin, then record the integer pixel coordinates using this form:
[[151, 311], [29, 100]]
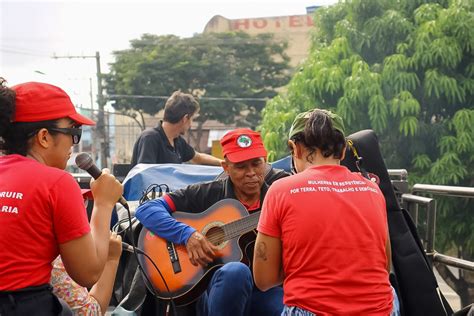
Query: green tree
[[231, 72], [405, 69]]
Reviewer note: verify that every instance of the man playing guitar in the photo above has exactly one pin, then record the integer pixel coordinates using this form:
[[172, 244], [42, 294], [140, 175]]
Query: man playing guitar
[[231, 286]]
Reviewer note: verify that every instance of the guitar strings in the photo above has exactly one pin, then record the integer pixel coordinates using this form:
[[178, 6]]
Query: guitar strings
[[233, 229]]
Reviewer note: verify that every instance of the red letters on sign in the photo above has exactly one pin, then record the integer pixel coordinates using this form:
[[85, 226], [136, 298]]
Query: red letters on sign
[[241, 24], [260, 24], [295, 21]]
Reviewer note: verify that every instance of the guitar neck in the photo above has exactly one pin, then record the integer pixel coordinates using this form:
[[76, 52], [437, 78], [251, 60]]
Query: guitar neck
[[241, 226]]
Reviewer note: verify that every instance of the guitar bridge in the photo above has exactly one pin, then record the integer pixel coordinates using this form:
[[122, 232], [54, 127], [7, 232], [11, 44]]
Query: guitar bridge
[[173, 257]]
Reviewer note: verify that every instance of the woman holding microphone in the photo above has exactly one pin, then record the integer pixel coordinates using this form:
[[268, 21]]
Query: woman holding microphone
[[42, 212]]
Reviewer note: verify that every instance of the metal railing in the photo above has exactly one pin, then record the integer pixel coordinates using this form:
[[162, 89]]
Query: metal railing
[[412, 202], [445, 190], [399, 179], [452, 261], [401, 173]]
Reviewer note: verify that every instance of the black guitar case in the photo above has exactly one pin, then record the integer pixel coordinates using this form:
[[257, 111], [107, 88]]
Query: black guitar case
[[414, 280]]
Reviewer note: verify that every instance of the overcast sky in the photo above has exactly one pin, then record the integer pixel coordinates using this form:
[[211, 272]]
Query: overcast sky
[[34, 31]]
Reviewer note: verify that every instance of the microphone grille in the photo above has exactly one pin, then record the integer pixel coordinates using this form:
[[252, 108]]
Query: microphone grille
[[84, 161]]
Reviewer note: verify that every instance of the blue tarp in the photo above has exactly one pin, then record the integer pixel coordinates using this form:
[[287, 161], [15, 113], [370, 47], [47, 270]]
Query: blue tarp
[[176, 176]]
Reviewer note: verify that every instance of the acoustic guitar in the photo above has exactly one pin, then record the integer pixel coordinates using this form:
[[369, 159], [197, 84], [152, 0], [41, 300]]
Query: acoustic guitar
[[226, 224]]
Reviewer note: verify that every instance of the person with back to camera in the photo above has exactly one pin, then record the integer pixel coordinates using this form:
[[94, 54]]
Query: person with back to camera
[[42, 212], [323, 232], [164, 143]]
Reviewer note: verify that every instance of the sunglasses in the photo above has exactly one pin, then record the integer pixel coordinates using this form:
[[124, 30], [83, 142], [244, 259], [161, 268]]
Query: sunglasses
[[75, 133]]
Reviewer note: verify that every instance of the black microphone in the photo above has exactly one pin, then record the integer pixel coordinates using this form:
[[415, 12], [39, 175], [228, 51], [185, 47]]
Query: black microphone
[[85, 162]]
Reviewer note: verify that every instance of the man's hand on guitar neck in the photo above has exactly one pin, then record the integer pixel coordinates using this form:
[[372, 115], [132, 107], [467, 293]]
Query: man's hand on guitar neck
[[200, 250]]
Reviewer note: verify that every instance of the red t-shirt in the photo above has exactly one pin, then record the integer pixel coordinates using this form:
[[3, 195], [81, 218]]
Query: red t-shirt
[[40, 208], [333, 228]]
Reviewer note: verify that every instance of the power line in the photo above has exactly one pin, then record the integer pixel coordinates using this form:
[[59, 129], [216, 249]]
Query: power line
[[11, 51], [160, 97], [22, 49]]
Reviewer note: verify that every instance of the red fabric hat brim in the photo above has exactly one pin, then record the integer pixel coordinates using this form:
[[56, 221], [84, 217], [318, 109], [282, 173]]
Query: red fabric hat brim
[[247, 154], [80, 119]]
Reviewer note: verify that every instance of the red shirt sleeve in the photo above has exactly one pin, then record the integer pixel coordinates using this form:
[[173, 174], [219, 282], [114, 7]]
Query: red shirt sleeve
[[270, 221], [170, 202], [69, 214]]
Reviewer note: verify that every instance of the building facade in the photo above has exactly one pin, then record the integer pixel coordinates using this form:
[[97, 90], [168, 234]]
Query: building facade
[[294, 29]]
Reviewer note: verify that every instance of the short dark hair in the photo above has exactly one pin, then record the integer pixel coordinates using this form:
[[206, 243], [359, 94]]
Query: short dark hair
[[319, 133], [15, 136], [178, 105]]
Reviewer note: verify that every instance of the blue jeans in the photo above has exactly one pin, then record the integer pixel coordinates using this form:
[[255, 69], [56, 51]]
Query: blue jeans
[[297, 311], [231, 290]]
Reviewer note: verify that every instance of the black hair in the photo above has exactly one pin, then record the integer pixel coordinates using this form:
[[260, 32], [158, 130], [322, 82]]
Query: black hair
[[7, 106], [319, 133], [7, 111], [15, 136], [178, 105]]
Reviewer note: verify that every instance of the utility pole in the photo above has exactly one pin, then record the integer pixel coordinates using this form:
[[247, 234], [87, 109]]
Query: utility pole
[[101, 129]]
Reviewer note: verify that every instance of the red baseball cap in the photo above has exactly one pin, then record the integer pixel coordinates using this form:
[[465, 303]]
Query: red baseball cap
[[36, 101], [242, 144]]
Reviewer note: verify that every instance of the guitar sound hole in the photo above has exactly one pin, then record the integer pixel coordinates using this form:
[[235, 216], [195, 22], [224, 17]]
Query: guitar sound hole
[[216, 235]]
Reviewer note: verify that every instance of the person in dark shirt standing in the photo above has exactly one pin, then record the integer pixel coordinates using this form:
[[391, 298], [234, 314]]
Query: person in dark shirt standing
[[164, 143]]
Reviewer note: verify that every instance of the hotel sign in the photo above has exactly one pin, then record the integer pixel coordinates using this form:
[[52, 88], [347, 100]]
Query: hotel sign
[[293, 22]]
